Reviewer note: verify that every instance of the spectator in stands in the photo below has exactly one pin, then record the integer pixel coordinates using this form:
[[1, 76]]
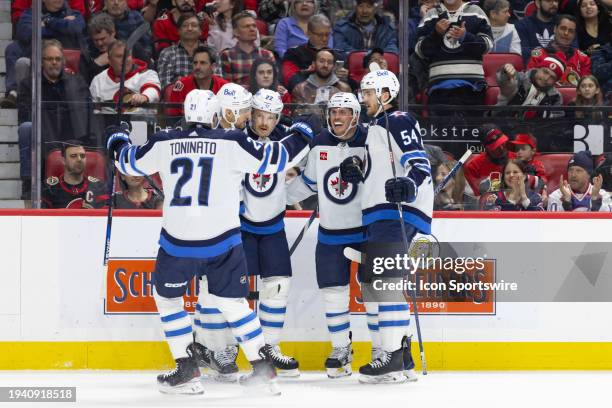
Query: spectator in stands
[[176, 60], [453, 38], [291, 31], [538, 29], [577, 64], [126, 22], [577, 193], [451, 198], [588, 93], [236, 62], [594, 25], [141, 84], [271, 11], [415, 16], [19, 6], [202, 77], [525, 147], [375, 55], [505, 37], [479, 168], [166, 29], [73, 188], [298, 61], [59, 120], [364, 29], [264, 74], [601, 65], [58, 22], [221, 33], [322, 83], [101, 29], [134, 195], [514, 195], [534, 87]]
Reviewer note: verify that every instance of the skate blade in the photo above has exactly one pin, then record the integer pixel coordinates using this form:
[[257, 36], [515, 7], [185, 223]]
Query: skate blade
[[411, 375], [224, 378], [396, 377], [192, 387], [254, 387], [294, 373], [344, 371]]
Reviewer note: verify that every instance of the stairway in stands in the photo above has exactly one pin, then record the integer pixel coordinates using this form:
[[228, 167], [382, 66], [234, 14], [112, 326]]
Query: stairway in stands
[[10, 184]]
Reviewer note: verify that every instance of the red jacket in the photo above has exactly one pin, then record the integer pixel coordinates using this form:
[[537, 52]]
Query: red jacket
[[480, 167], [165, 31], [19, 6], [183, 86], [577, 63]]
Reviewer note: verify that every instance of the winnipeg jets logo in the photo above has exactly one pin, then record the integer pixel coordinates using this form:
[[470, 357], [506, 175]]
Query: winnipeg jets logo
[[261, 180], [337, 191], [260, 185], [544, 38]]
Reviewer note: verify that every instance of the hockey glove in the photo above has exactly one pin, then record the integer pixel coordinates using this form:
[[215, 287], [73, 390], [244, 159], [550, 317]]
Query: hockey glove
[[350, 170], [303, 129], [401, 189], [116, 138]]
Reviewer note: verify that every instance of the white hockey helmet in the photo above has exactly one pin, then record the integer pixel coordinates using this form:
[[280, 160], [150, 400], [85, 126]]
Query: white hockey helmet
[[202, 107], [343, 100], [235, 98], [268, 101], [380, 79]]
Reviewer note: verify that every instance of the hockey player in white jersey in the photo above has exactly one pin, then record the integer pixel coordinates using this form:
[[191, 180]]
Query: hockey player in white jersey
[[381, 193], [235, 104], [201, 170], [263, 231], [235, 111], [339, 224]]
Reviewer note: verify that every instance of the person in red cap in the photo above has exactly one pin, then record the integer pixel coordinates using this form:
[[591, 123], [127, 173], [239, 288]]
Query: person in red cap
[[577, 193], [479, 168], [525, 147], [536, 87], [575, 62]]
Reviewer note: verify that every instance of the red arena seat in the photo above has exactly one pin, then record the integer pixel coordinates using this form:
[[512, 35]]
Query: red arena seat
[[72, 58], [555, 165], [262, 27], [96, 164], [568, 93], [491, 95], [492, 61]]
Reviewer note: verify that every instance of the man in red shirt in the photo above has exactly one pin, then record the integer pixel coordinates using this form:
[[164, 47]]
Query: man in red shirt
[[577, 63], [200, 78], [165, 29], [479, 168]]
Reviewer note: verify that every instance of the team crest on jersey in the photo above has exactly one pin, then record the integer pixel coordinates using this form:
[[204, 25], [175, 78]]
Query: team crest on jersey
[[322, 155], [338, 191], [178, 86], [52, 180], [260, 185]]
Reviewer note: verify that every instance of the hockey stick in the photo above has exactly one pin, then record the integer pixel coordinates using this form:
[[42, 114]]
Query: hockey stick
[[452, 172], [129, 44], [271, 291]]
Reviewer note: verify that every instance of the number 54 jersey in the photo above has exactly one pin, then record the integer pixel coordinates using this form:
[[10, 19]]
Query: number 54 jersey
[[201, 171], [339, 201]]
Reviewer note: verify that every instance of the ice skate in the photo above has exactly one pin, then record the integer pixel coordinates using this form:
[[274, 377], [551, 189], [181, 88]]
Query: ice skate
[[285, 366], [263, 375], [200, 353], [223, 363], [184, 379], [388, 368], [338, 364]]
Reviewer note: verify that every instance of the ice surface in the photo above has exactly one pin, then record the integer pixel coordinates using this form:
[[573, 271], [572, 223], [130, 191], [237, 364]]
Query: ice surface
[[315, 390]]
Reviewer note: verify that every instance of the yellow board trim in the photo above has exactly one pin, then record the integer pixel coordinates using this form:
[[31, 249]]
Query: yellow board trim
[[126, 355]]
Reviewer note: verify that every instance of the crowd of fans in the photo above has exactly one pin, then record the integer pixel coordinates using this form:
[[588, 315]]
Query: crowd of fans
[[301, 49]]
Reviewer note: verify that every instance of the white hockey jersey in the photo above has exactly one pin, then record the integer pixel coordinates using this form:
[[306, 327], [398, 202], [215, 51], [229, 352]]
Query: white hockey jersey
[[339, 201], [410, 161], [201, 171], [580, 202], [264, 196], [140, 80]]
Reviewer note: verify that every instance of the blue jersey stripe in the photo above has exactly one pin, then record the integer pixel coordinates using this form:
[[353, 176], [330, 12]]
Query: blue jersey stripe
[[393, 323], [215, 326], [264, 164], [336, 314], [249, 336], [392, 308], [340, 327], [210, 310], [329, 239], [178, 332], [283, 159], [200, 252], [266, 323], [241, 322], [174, 316], [133, 161], [268, 309]]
